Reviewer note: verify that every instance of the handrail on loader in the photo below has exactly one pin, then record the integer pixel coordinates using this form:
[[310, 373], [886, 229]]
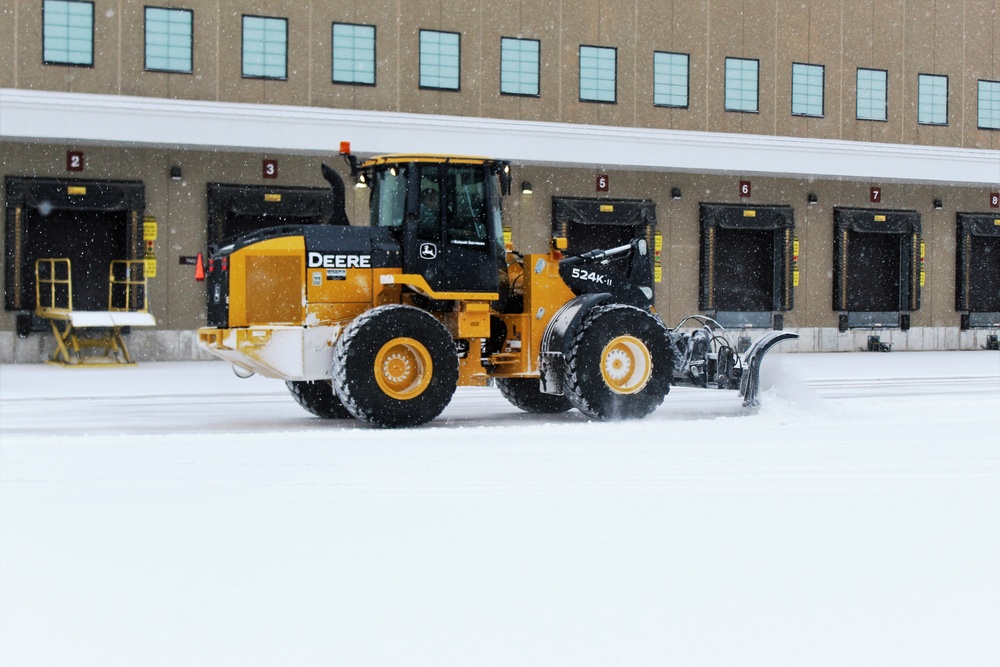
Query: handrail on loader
[[78, 330]]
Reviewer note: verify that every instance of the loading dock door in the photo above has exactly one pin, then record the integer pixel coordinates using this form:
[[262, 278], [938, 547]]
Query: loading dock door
[[977, 284], [590, 224], [746, 262], [89, 222], [876, 268], [234, 210]]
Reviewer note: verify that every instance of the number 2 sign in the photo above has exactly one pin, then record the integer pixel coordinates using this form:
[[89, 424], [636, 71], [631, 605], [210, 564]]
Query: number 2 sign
[[74, 160]]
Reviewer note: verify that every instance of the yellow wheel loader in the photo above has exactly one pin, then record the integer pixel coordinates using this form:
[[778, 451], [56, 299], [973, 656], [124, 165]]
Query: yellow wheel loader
[[382, 322]]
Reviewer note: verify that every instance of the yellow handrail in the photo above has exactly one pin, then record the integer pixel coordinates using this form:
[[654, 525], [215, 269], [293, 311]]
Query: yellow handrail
[[127, 281], [47, 274]]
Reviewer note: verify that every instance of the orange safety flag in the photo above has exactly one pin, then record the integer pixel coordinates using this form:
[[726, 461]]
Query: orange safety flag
[[199, 269]]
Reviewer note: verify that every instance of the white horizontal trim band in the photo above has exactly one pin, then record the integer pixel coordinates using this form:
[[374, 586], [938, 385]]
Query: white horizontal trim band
[[45, 116]]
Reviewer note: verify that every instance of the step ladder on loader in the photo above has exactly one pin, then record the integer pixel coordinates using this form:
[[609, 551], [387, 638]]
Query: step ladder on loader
[[98, 332]]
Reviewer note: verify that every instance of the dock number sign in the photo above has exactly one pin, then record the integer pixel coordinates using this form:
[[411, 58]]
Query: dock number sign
[[74, 161]]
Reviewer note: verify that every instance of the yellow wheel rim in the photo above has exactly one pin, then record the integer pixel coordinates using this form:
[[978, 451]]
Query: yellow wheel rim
[[403, 368], [626, 365]]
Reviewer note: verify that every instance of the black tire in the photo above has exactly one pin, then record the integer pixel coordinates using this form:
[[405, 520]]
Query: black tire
[[619, 364], [318, 397], [524, 393], [395, 366]]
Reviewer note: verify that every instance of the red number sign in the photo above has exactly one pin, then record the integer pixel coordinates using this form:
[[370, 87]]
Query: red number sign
[[995, 200], [270, 168], [74, 160], [745, 188], [603, 185], [875, 194]]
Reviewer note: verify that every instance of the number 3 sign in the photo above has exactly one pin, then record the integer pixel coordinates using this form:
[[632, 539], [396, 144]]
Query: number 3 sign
[[270, 168]]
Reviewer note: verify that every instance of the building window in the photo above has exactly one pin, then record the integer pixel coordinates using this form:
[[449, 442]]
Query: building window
[[169, 39], [741, 84], [670, 79], [440, 62], [519, 62], [872, 94], [932, 99], [807, 90], [989, 105], [68, 32], [598, 65], [265, 47], [353, 54]]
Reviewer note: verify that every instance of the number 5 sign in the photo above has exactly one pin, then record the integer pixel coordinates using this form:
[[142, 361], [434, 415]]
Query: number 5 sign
[[602, 183]]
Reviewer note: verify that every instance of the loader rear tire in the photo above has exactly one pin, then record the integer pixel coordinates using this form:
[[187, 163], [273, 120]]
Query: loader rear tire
[[395, 366], [318, 398], [524, 393], [618, 365]]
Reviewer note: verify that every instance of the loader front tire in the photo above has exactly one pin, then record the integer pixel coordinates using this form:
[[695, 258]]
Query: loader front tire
[[395, 366], [318, 398], [618, 365], [524, 393]]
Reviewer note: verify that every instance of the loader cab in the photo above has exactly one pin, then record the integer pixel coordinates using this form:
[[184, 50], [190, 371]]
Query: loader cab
[[447, 216]]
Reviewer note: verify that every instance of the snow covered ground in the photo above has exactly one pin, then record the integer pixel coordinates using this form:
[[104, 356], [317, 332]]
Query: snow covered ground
[[173, 514]]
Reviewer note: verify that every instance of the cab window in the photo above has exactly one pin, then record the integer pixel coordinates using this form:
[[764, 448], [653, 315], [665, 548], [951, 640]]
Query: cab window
[[388, 197], [467, 206]]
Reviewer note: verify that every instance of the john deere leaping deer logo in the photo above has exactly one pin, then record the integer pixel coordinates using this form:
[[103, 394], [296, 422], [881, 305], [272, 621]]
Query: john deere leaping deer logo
[[428, 251]]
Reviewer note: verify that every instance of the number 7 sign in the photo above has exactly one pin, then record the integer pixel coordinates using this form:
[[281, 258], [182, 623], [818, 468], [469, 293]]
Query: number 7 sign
[[876, 194]]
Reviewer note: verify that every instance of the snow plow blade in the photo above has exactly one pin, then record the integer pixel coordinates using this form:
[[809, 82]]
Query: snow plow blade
[[750, 380]]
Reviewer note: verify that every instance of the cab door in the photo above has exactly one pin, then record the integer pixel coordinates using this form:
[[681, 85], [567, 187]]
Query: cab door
[[458, 242]]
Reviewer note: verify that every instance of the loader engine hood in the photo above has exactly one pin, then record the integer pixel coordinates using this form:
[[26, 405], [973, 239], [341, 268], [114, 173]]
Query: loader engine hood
[[269, 276]]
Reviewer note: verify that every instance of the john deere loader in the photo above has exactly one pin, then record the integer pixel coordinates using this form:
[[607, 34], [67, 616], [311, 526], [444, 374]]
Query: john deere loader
[[382, 322]]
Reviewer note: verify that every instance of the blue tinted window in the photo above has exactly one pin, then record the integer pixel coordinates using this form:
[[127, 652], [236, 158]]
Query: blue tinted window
[[439, 59], [598, 65], [353, 53], [670, 79], [68, 32], [989, 105], [265, 47], [519, 61], [741, 84], [932, 99], [807, 90], [169, 39], [872, 96]]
